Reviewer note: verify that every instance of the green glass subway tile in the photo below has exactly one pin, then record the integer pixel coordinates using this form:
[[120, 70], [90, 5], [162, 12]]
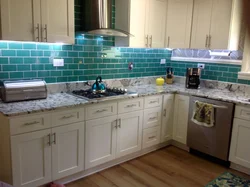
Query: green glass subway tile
[[29, 46], [4, 60], [55, 73], [47, 53], [15, 46], [93, 54], [16, 75], [74, 78], [204, 76], [43, 73], [37, 67], [88, 36], [57, 47], [43, 60], [107, 76], [78, 60], [24, 53], [92, 66], [130, 50], [65, 67], [226, 74], [90, 48], [106, 60], [36, 53], [78, 48], [78, 72], [96, 48], [242, 81], [49, 67], [212, 77], [31, 74], [233, 70], [90, 42], [3, 45], [8, 52], [105, 71], [83, 54], [102, 66], [50, 79], [73, 66], [23, 67], [98, 60], [214, 68], [124, 75], [4, 75], [82, 66], [63, 54], [110, 66], [88, 72], [122, 70], [67, 47], [118, 66], [43, 46], [224, 79], [62, 79], [235, 75], [73, 54], [98, 72], [9, 67], [67, 73], [209, 72], [218, 74], [221, 68], [83, 78]]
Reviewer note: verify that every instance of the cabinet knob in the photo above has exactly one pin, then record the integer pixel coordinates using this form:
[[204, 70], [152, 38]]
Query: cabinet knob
[[206, 43]]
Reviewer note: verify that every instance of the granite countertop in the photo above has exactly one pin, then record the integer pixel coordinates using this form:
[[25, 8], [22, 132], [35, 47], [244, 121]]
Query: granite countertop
[[64, 100]]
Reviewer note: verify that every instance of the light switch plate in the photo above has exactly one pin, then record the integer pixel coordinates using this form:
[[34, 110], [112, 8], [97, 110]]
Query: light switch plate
[[58, 62], [163, 61], [201, 66]]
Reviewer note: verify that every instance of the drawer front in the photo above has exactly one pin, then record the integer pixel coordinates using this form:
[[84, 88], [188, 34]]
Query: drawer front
[[153, 101], [151, 136], [100, 110], [152, 117], [242, 112], [29, 123], [130, 105], [67, 117]]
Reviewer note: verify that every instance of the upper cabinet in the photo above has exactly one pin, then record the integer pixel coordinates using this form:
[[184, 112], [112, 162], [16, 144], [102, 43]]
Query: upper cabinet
[[37, 20], [216, 24], [179, 21]]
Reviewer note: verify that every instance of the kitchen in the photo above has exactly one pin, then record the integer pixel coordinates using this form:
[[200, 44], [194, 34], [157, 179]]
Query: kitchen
[[87, 91]]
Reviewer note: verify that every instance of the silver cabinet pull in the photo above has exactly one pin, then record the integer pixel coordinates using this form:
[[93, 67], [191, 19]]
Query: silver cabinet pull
[[49, 142], [67, 117], [146, 41], [45, 39], [54, 138], [100, 111], [38, 32], [116, 121], [119, 125], [151, 102], [152, 118], [168, 41], [209, 41], [151, 40], [164, 112], [206, 43], [129, 106], [151, 137], [31, 123]]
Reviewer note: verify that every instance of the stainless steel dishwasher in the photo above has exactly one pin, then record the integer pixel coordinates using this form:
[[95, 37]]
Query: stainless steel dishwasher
[[214, 141]]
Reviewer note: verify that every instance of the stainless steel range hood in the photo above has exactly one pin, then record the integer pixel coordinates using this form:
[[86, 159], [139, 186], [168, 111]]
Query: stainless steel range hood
[[97, 18]]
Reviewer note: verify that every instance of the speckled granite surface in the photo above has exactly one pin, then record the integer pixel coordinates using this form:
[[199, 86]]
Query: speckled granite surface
[[238, 94]]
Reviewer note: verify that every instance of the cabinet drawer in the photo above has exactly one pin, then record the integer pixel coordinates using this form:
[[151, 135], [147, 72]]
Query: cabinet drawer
[[29, 123], [130, 105], [153, 101], [100, 110], [242, 112], [152, 117], [67, 117], [151, 136]]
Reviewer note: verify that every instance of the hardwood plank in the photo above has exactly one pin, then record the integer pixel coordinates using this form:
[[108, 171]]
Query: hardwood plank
[[101, 181]]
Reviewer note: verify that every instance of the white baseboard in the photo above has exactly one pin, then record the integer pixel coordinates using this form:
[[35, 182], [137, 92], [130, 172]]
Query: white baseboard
[[240, 168]]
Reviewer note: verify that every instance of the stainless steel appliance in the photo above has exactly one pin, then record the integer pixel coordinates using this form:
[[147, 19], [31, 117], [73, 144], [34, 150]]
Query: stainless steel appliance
[[23, 90], [97, 18], [214, 141], [193, 78]]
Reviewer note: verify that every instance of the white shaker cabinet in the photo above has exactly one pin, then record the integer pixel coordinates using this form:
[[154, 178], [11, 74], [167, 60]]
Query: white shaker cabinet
[[31, 159], [129, 133], [181, 110], [67, 150], [37, 20], [100, 141], [179, 22], [167, 118]]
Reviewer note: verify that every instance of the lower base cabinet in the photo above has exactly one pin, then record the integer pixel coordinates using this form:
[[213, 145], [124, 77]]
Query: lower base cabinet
[[42, 156], [151, 136]]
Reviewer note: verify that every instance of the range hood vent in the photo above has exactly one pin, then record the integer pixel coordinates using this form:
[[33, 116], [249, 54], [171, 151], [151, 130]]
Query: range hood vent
[[97, 18]]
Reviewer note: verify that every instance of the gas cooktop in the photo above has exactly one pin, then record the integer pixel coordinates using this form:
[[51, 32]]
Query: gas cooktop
[[108, 93]]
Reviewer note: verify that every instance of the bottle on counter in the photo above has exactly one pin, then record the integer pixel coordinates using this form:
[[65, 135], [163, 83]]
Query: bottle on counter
[[169, 76]]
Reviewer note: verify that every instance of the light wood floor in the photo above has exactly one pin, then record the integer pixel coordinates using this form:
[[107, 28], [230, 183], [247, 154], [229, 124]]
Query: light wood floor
[[166, 167]]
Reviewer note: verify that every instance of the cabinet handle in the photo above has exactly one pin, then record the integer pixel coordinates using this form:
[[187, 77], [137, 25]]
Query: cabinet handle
[[209, 41], [129, 106], [147, 41], [100, 111], [206, 44], [151, 137], [116, 121], [151, 102], [54, 138], [67, 117], [168, 40], [46, 33], [49, 142], [38, 32], [119, 125], [152, 118], [31, 123], [165, 113], [151, 39]]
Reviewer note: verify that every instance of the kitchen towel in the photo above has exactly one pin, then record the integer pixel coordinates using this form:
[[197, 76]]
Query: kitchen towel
[[203, 114]]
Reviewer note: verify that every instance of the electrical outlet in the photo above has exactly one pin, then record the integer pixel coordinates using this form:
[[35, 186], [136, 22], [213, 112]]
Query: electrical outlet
[[163, 61], [58, 62], [201, 66]]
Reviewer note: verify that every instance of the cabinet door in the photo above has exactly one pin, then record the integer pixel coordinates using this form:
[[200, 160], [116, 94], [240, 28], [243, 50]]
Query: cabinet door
[[179, 22], [220, 24], [156, 23], [58, 25], [129, 133], [67, 150], [167, 118], [201, 23], [137, 23], [240, 149], [181, 118], [31, 159], [100, 142], [19, 20]]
